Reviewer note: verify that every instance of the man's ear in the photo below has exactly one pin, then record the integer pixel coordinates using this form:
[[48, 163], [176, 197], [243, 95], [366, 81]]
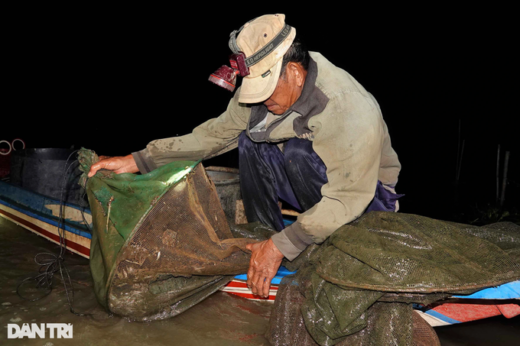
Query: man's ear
[[296, 72]]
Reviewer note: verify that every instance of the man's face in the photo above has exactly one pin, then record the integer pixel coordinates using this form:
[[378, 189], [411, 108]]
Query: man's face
[[280, 100], [287, 91]]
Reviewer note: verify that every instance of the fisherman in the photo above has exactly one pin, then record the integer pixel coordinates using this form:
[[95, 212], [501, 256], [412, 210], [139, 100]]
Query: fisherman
[[307, 133]]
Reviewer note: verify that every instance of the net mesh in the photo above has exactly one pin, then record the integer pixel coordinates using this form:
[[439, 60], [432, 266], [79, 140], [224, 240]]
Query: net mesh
[[358, 287], [184, 236], [178, 251]]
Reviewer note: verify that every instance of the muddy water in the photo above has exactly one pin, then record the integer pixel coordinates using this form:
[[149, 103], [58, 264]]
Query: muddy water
[[221, 319]]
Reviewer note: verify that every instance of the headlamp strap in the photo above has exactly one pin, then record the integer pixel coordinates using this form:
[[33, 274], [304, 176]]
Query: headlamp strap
[[265, 51], [233, 40]]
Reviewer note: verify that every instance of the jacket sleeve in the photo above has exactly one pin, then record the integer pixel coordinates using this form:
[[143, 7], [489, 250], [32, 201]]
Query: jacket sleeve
[[348, 137], [213, 137]]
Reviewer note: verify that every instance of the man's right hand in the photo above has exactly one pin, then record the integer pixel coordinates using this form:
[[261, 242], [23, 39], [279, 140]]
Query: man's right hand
[[117, 164]]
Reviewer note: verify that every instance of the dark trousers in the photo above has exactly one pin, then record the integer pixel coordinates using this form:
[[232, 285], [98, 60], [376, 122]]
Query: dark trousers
[[295, 176]]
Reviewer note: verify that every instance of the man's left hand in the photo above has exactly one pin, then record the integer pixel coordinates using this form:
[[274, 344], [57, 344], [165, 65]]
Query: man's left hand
[[265, 261]]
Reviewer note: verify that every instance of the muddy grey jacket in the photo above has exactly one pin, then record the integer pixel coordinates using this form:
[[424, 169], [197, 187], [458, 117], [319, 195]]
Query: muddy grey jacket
[[348, 132]]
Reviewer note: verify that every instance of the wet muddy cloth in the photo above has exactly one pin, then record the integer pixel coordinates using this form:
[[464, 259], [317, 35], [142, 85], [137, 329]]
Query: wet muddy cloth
[[358, 287], [161, 241]]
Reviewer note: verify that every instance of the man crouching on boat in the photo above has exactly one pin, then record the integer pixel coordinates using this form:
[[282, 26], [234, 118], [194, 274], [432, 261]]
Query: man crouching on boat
[[307, 133]]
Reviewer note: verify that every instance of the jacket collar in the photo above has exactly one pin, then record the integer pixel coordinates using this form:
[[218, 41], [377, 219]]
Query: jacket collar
[[311, 102]]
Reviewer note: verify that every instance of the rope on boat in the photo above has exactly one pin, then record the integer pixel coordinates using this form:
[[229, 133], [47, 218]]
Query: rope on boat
[[51, 263]]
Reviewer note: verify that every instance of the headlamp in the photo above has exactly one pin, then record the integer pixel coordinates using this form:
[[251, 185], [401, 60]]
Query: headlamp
[[226, 76]]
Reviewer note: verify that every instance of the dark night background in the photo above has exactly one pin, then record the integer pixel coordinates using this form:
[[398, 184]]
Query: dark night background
[[113, 80]]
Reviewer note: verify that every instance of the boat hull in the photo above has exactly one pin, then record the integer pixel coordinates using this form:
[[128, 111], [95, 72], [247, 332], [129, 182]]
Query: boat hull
[[40, 215]]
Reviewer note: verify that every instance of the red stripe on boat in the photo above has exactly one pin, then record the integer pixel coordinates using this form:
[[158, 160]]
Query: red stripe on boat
[[68, 243], [251, 296], [467, 312], [509, 310]]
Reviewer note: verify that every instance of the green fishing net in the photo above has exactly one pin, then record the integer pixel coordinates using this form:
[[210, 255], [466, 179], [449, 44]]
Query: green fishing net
[[161, 242]]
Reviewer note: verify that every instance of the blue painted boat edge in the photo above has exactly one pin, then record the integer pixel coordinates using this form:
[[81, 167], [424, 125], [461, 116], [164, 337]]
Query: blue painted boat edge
[[282, 272], [33, 203], [6, 187], [510, 290], [287, 222], [66, 227]]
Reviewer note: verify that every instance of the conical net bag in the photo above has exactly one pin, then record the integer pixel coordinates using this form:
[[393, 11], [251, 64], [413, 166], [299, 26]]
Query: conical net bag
[[161, 241]]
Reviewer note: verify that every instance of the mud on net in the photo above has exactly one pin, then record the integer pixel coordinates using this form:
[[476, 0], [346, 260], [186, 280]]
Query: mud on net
[[161, 241]]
